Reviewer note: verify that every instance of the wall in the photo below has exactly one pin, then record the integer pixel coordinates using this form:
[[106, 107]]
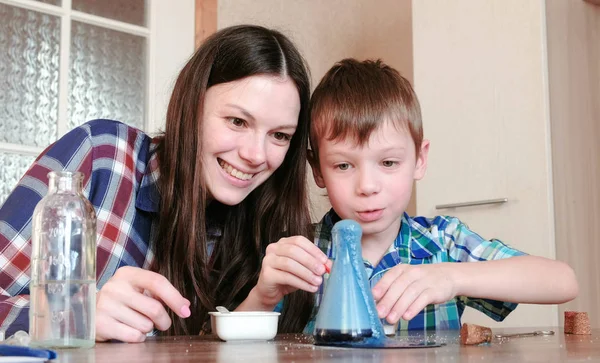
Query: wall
[[328, 31], [573, 32]]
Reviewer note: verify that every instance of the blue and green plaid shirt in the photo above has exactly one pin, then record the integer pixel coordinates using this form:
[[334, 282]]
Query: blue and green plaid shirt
[[423, 241]]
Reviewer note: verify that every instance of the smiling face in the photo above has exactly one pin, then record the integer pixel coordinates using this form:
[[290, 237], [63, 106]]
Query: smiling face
[[372, 183], [248, 125]]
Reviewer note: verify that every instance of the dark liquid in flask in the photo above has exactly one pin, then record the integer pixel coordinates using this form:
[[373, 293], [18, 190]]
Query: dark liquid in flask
[[334, 335]]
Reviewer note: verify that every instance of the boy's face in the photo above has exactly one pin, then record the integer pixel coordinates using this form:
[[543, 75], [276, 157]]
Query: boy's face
[[371, 184]]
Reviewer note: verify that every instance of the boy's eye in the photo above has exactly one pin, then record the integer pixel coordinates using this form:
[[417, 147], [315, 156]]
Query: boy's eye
[[389, 163], [343, 166], [237, 121], [281, 136]]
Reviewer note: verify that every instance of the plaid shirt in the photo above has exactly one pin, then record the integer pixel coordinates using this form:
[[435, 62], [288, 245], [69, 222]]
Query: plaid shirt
[[121, 168], [424, 241]]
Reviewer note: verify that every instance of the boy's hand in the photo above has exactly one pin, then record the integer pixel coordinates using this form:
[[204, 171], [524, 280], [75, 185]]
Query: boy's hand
[[405, 290]]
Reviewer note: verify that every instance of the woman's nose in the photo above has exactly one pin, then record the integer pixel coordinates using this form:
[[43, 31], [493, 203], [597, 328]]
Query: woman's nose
[[253, 150]]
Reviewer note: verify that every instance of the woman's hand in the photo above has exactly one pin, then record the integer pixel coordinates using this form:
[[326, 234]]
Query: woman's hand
[[290, 264], [130, 305]]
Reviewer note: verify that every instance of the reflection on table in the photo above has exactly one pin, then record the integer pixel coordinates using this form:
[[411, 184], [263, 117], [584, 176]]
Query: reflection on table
[[300, 348]]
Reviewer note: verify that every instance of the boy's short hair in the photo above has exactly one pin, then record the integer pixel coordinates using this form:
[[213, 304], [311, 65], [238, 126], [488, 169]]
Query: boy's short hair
[[354, 98]]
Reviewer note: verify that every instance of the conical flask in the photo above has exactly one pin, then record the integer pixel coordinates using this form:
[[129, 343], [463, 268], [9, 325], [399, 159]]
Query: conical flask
[[347, 310]]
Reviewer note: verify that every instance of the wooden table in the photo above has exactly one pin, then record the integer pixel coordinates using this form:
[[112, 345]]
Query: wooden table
[[299, 348]]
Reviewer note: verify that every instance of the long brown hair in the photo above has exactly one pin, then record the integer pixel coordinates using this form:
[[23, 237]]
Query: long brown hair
[[276, 209]]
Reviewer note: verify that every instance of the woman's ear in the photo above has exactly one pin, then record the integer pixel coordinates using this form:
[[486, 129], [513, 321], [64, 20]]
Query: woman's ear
[[421, 166], [314, 164]]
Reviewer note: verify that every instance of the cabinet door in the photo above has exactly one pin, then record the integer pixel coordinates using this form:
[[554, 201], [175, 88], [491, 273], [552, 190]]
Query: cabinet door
[[480, 74]]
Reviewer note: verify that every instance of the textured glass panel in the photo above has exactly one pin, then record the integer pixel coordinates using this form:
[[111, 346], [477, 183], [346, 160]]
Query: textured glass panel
[[107, 76], [129, 11], [51, 2], [13, 166], [29, 50]]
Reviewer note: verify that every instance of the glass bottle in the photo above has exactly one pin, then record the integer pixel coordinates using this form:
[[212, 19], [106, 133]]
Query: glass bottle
[[63, 266], [347, 310]]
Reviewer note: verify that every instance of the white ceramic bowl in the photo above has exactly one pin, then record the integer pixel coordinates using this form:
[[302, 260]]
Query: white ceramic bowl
[[244, 325], [389, 329]]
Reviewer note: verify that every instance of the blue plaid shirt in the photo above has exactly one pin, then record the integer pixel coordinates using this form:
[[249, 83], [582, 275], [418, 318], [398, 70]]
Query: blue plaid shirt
[[424, 241]]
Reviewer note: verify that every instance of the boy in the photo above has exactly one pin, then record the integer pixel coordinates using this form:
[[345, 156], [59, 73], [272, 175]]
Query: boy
[[367, 150]]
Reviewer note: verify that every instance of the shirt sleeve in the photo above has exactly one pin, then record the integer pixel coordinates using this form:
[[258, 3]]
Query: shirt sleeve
[[465, 245], [73, 152]]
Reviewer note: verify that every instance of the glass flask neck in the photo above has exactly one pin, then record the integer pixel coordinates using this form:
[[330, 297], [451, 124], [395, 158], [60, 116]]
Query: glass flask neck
[[347, 248], [65, 182]]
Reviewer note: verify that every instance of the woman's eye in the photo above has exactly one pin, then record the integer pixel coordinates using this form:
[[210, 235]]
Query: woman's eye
[[343, 166], [237, 121], [281, 136]]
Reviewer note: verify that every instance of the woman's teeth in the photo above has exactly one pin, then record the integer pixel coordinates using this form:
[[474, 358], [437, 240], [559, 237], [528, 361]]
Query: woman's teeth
[[234, 172]]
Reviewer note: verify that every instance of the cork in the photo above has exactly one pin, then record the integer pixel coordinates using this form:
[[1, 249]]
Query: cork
[[577, 323], [471, 334]]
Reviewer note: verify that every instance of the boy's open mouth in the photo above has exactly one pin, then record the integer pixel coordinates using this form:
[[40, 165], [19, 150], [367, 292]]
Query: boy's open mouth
[[370, 215]]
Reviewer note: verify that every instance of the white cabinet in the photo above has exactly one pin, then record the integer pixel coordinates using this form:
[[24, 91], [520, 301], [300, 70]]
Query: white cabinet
[[480, 72], [510, 92]]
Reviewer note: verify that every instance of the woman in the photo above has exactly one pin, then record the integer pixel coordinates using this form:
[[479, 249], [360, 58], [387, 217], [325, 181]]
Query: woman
[[184, 220]]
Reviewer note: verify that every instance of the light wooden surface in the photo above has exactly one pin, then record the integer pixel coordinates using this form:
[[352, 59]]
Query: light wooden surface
[[206, 20], [479, 73], [299, 348], [574, 74]]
